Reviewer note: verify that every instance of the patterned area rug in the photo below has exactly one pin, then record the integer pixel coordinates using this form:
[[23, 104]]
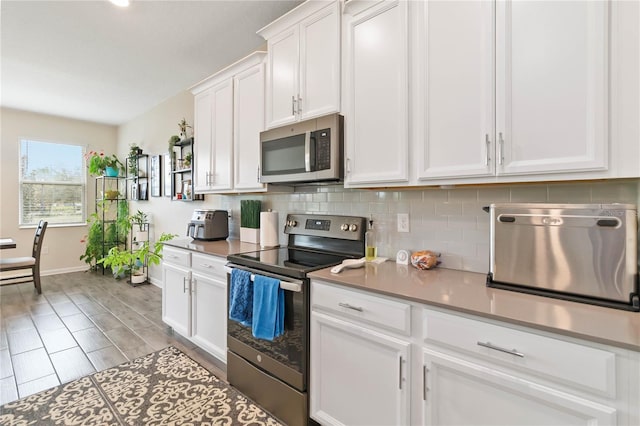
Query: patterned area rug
[[164, 387]]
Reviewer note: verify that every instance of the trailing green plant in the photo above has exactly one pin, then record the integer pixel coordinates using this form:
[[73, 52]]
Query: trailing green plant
[[94, 240], [134, 152], [123, 223], [123, 260], [250, 213], [172, 142], [187, 160]]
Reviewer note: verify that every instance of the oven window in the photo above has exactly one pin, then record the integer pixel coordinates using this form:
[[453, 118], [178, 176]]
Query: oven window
[[287, 349]]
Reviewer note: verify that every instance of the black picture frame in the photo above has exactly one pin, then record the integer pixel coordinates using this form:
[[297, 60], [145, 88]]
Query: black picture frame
[[156, 175]]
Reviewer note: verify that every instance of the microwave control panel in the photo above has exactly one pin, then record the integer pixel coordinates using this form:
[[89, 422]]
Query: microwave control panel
[[323, 149]]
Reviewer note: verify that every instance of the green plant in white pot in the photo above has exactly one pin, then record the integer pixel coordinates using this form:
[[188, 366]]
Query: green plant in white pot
[[250, 221], [135, 261], [141, 219]]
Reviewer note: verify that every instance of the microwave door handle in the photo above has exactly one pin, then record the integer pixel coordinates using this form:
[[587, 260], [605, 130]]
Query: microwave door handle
[[307, 151]]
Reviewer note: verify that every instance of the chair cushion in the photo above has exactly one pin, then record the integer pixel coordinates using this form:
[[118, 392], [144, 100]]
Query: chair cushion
[[17, 262]]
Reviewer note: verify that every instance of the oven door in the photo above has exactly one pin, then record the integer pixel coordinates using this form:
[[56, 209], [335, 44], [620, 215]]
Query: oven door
[[286, 357]]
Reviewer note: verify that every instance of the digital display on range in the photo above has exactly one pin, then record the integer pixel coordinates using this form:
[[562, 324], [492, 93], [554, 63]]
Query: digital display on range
[[318, 224]]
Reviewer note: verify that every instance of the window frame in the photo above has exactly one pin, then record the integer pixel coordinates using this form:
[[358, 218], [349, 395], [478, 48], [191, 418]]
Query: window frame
[[83, 185]]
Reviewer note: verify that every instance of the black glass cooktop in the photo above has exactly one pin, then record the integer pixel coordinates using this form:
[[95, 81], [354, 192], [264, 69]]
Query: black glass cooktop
[[292, 262]]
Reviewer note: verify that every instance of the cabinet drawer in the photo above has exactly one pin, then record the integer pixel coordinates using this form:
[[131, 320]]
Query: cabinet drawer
[[210, 265], [365, 308], [590, 368], [176, 257]]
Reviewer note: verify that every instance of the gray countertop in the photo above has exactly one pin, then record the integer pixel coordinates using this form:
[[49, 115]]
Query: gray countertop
[[467, 292]]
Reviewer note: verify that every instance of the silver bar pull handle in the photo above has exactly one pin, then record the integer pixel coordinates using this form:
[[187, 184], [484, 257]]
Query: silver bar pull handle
[[307, 151], [258, 177], [184, 284], [425, 370], [293, 105], [348, 306], [487, 143], [348, 165], [400, 373], [513, 352], [299, 105], [500, 149]]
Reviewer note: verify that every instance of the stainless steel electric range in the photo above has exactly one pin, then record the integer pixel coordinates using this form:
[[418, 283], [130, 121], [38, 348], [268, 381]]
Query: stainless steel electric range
[[275, 373]]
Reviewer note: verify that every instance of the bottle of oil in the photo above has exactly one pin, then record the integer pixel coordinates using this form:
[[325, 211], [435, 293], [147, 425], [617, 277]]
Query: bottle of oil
[[371, 250]]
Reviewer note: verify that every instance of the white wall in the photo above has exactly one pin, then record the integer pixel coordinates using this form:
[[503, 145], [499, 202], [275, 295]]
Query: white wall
[[62, 243]]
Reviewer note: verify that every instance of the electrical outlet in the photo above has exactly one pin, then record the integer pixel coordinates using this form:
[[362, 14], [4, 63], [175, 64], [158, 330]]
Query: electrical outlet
[[403, 222]]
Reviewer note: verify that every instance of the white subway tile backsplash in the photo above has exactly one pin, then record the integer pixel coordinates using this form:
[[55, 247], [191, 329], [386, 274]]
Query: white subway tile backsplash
[[450, 221]]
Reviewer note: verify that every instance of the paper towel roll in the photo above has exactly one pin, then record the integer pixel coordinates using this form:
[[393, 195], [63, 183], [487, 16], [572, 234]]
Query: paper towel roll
[[268, 229]]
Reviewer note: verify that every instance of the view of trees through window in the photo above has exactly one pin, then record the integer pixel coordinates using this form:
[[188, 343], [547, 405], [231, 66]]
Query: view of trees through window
[[52, 183]]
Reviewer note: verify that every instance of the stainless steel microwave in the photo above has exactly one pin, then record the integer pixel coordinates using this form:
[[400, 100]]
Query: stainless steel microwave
[[309, 151]]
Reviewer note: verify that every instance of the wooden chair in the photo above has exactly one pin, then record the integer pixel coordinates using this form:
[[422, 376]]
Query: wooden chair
[[26, 262]]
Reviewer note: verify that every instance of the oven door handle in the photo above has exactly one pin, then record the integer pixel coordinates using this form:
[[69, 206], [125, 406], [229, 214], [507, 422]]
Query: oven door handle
[[284, 284]]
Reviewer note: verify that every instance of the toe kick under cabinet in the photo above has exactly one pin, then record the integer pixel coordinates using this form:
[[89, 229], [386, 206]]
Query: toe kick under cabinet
[[385, 361], [194, 298]]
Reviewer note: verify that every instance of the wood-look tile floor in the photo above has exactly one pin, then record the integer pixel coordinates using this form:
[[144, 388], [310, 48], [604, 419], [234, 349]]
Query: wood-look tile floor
[[82, 322]]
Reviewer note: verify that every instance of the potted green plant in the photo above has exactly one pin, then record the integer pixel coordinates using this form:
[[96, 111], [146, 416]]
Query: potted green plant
[[183, 126], [187, 160], [141, 219], [100, 164], [250, 221], [135, 261]]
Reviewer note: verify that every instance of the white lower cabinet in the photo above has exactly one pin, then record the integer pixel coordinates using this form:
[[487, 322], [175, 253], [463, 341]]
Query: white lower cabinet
[[457, 391], [194, 299], [377, 360], [176, 298], [359, 373]]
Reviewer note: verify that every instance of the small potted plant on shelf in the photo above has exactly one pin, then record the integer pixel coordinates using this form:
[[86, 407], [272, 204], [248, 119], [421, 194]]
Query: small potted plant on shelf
[[100, 164], [186, 162], [135, 261], [172, 142], [141, 219], [183, 129], [250, 221]]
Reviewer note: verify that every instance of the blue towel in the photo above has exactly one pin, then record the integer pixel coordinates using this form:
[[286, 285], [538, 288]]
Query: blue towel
[[268, 308], [241, 297]]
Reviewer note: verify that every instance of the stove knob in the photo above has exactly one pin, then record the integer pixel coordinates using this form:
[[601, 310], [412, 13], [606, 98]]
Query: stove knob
[[344, 227], [292, 223], [353, 227]]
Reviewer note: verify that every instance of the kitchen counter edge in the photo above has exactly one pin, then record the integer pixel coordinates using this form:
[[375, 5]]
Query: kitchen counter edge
[[466, 292], [220, 248]]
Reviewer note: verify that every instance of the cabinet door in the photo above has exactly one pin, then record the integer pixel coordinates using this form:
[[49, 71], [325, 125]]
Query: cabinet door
[[248, 114], [176, 299], [319, 91], [458, 392], [203, 137], [456, 38], [357, 376], [376, 95], [209, 315], [222, 145], [552, 86], [282, 78]]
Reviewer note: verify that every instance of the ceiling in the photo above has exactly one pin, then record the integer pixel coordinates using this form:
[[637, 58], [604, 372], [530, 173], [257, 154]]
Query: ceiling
[[94, 61]]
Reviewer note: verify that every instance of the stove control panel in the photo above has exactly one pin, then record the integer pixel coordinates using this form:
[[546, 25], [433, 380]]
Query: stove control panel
[[342, 227]]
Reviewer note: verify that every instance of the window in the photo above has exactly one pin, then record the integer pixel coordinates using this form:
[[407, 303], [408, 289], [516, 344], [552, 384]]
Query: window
[[52, 183]]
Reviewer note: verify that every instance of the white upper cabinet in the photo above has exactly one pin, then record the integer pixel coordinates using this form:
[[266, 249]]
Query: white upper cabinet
[[303, 65], [552, 86], [549, 85], [229, 116], [456, 91], [248, 112], [376, 93]]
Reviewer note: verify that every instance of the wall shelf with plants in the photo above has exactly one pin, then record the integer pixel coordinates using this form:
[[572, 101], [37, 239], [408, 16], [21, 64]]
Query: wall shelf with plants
[[181, 152], [137, 173]]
